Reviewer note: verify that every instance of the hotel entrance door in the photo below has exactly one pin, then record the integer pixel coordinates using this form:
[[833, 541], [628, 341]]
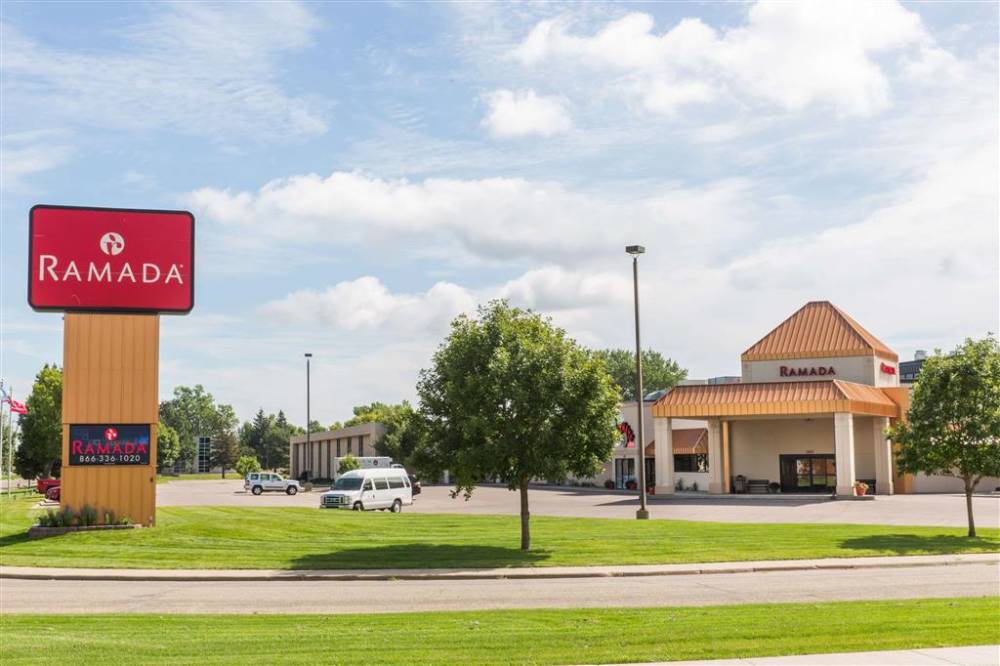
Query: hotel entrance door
[[808, 473]]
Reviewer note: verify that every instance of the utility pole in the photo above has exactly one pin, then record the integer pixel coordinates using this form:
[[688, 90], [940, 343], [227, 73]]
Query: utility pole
[[642, 513], [309, 450]]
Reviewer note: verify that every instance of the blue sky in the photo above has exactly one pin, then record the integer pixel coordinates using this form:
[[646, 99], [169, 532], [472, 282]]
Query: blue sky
[[361, 173]]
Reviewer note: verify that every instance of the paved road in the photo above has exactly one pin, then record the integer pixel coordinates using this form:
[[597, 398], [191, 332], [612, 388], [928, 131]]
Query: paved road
[[946, 510], [974, 655], [47, 596]]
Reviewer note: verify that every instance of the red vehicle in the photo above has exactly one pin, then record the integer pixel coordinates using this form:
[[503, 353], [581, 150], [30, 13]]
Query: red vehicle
[[43, 485], [53, 493]]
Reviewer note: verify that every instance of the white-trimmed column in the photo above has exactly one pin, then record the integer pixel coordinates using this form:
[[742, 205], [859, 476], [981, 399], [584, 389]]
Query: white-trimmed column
[[883, 457], [716, 468], [843, 436], [663, 438]]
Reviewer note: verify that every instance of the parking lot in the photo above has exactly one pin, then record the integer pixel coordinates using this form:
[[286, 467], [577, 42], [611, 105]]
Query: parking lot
[[942, 510]]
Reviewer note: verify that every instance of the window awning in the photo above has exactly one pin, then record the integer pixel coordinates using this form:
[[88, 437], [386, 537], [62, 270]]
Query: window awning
[[687, 442], [775, 399]]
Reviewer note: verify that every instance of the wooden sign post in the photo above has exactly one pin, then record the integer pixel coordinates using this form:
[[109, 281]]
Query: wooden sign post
[[110, 377], [112, 271]]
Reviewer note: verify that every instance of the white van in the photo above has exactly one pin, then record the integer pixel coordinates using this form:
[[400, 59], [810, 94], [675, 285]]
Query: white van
[[369, 489]]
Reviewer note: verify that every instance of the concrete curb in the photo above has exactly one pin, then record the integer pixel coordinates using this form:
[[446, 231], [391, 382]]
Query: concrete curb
[[523, 573]]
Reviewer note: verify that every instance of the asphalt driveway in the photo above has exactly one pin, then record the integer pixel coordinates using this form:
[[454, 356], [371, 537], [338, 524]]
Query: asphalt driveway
[[941, 510]]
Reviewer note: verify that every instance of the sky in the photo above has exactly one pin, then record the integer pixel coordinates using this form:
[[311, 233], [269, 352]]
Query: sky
[[363, 173]]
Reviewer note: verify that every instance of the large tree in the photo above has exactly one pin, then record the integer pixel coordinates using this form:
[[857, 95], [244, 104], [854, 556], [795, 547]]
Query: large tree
[[168, 446], [953, 425], [193, 413], [41, 427], [399, 420], [225, 451], [658, 372], [511, 397]]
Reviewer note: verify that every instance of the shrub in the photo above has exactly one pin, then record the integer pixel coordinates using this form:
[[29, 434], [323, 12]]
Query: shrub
[[65, 517], [348, 463], [87, 516], [110, 518], [247, 464]]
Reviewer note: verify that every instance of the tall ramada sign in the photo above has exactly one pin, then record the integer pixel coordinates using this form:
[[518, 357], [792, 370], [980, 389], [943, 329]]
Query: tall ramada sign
[[111, 260]]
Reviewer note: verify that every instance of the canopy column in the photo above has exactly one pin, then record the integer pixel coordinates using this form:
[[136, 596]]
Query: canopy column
[[843, 433], [663, 434], [883, 457], [716, 466]]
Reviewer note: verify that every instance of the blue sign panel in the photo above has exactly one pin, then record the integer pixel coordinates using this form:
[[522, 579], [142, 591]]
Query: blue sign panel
[[109, 444]]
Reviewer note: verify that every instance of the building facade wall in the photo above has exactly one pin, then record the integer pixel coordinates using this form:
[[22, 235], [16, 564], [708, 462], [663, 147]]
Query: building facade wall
[[858, 369], [949, 484], [756, 444], [359, 440]]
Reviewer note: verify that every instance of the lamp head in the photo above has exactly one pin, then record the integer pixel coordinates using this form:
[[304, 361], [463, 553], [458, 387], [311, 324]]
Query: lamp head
[[635, 250], [308, 355]]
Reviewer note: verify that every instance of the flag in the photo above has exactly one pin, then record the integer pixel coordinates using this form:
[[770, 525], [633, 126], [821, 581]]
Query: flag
[[16, 407]]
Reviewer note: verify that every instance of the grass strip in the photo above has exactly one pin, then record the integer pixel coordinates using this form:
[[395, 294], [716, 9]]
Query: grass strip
[[502, 637], [300, 538]]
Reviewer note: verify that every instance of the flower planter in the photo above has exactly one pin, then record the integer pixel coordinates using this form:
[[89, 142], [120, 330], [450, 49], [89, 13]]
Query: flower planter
[[39, 532]]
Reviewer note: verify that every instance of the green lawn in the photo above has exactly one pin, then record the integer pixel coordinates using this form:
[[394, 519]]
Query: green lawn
[[501, 637], [300, 538]]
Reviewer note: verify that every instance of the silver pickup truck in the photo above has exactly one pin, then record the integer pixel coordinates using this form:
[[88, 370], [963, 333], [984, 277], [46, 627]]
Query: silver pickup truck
[[258, 482]]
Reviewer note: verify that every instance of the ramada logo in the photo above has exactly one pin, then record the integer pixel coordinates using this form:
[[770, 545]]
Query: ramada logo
[[111, 244], [786, 371]]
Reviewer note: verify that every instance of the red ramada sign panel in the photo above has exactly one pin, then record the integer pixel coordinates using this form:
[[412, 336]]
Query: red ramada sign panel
[[111, 260]]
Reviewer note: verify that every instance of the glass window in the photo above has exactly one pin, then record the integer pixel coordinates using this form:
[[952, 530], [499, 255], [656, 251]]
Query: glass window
[[406, 481], [368, 485], [395, 482], [349, 483], [382, 484]]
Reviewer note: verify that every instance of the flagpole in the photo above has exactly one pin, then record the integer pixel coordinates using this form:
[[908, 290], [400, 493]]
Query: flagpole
[[3, 431], [10, 438]]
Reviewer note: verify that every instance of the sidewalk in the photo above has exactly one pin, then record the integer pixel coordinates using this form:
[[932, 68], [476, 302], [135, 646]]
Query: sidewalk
[[44, 573], [977, 655]]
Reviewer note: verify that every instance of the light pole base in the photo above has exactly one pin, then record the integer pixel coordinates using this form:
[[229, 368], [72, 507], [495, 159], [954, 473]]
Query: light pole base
[[642, 514]]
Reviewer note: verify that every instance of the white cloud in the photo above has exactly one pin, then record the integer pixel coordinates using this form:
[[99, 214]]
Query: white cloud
[[480, 220], [197, 69], [788, 55], [29, 153], [366, 303], [524, 113], [552, 288]]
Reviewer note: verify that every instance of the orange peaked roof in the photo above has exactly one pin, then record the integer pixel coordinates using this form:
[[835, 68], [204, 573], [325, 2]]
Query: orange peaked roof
[[818, 329]]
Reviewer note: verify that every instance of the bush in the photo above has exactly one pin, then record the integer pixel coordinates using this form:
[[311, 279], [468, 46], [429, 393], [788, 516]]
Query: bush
[[87, 516], [348, 463], [246, 465], [65, 517]]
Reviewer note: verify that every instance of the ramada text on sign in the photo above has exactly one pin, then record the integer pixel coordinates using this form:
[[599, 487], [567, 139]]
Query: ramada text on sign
[[111, 260]]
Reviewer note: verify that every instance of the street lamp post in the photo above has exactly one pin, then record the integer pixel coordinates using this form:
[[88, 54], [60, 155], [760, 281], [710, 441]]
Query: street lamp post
[[309, 450], [642, 513]]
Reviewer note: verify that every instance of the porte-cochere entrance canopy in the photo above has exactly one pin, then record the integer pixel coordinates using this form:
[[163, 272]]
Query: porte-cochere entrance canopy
[[815, 397]]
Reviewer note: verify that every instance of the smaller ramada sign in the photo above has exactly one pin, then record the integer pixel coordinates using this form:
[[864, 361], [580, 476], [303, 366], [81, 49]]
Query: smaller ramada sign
[[822, 371], [887, 369], [110, 260], [109, 444]]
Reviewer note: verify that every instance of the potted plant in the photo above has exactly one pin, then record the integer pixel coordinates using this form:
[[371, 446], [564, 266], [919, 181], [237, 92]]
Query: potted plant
[[609, 484], [860, 488]]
